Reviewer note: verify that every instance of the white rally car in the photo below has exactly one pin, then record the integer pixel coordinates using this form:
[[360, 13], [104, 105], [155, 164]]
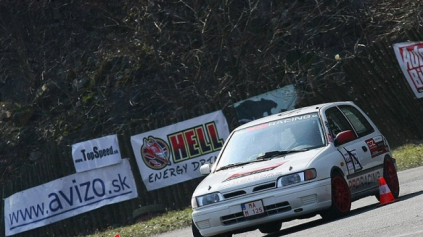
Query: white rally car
[[296, 164]]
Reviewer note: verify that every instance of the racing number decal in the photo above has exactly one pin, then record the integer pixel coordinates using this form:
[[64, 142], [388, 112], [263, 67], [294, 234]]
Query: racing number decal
[[351, 158]]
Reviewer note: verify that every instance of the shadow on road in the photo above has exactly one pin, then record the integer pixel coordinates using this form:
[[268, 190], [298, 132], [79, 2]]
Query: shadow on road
[[410, 195], [354, 212]]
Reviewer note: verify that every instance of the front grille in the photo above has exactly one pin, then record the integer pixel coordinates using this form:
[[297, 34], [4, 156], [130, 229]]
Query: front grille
[[234, 194], [264, 187], [268, 210], [255, 189], [277, 208]]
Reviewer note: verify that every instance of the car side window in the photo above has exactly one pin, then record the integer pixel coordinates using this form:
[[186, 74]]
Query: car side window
[[336, 121], [358, 121]]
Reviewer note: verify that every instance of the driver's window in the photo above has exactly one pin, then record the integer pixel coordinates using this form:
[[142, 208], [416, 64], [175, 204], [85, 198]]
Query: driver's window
[[337, 122]]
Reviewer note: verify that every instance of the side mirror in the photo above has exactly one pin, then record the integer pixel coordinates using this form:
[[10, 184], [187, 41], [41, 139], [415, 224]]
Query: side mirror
[[344, 137], [205, 169]]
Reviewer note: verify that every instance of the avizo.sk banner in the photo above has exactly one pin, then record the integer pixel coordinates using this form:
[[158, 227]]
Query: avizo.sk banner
[[410, 59], [96, 153], [68, 196], [174, 154]]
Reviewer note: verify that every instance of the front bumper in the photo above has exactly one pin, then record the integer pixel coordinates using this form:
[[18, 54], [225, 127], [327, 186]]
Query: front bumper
[[279, 204]]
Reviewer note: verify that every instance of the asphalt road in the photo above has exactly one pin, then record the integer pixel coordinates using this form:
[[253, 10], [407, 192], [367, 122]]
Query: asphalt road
[[403, 218]]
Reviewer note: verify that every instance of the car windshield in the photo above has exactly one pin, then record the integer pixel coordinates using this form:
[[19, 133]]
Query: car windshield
[[272, 139]]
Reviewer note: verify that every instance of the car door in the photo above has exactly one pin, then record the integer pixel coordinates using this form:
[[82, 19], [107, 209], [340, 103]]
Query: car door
[[355, 152], [375, 141], [362, 171]]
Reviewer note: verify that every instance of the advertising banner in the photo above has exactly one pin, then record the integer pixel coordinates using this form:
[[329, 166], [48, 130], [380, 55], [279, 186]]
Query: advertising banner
[[272, 102], [96, 153], [410, 59], [68, 196], [174, 154]]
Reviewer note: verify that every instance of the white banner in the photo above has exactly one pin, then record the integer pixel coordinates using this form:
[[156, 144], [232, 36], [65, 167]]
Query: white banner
[[68, 196], [174, 154], [410, 59], [96, 153]]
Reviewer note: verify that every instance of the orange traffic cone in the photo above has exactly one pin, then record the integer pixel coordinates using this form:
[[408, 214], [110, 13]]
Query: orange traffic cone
[[385, 194]]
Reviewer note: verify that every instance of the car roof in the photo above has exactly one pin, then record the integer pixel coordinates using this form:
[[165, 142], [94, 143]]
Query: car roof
[[294, 112]]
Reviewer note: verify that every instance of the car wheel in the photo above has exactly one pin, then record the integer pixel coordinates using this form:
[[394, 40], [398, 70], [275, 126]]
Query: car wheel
[[196, 232], [270, 227], [341, 198], [391, 178]]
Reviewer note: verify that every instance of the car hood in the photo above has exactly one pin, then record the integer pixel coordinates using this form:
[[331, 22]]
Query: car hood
[[256, 173]]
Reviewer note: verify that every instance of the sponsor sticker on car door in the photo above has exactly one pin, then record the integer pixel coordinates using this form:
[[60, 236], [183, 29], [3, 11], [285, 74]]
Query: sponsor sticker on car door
[[377, 146]]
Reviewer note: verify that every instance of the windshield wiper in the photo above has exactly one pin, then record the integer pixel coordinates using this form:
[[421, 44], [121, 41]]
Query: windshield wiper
[[271, 154]]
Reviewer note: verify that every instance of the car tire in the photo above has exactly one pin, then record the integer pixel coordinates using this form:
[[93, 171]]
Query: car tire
[[196, 232], [341, 198], [391, 177], [270, 227]]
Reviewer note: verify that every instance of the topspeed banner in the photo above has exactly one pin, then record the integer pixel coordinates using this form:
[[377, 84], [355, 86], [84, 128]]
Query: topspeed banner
[[410, 59], [68, 196], [96, 153], [174, 154]]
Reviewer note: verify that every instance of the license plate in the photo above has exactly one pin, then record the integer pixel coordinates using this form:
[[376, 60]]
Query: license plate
[[252, 208]]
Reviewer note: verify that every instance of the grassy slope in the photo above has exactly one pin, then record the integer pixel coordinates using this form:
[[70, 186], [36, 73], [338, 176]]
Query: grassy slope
[[407, 156]]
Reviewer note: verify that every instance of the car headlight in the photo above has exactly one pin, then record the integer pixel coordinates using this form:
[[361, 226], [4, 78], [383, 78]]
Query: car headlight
[[208, 199], [296, 178]]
